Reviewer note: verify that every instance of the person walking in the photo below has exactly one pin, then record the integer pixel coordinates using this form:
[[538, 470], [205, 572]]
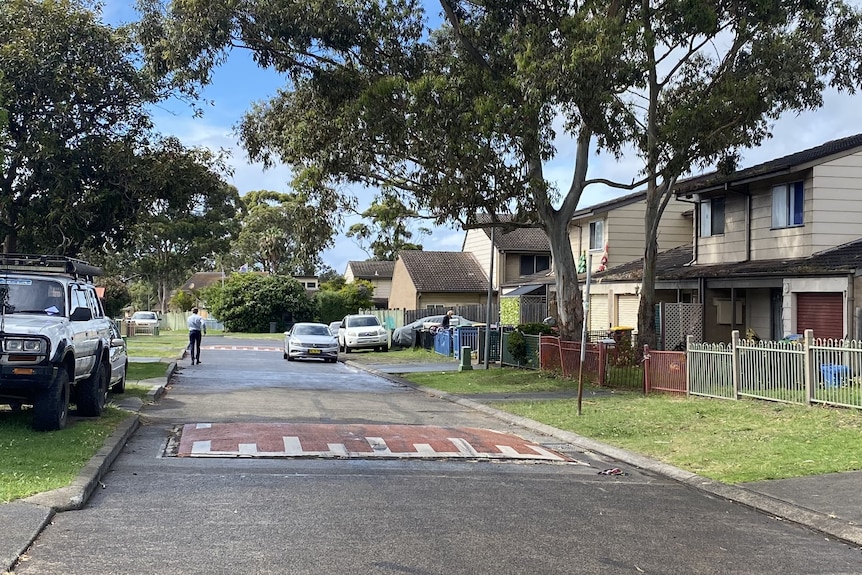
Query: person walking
[[447, 319], [197, 328]]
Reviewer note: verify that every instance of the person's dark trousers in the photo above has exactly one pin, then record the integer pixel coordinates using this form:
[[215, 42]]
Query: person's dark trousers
[[195, 344]]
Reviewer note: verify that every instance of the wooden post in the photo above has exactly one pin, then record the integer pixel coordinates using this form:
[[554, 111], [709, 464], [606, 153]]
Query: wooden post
[[647, 382]]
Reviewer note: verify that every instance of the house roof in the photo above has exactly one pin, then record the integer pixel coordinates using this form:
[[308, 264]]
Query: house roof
[[200, 280], [672, 265], [371, 269], [524, 239], [444, 271], [772, 167], [609, 205]]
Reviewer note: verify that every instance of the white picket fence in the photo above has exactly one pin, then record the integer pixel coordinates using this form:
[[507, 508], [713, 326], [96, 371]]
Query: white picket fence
[[806, 371]]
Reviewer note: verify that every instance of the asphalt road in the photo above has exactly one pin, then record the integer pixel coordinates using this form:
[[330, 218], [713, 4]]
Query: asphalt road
[[163, 514]]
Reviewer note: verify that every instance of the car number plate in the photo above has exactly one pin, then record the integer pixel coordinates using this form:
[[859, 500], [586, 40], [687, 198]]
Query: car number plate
[[313, 351]]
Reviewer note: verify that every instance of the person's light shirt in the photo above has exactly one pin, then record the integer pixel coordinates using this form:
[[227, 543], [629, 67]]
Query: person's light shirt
[[196, 323]]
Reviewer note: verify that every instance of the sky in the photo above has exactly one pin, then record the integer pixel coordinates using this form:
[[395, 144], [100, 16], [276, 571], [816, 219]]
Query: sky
[[239, 83]]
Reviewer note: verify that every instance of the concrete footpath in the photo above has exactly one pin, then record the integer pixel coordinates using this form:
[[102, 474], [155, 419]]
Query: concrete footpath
[[830, 504]]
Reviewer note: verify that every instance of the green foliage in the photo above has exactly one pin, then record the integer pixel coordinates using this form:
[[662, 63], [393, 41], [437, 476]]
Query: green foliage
[[182, 301], [117, 296], [74, 98], [286, 233], [517, 347], [248, 302], [334, 304], [535, 329], [510, 310], [463, 119], [193, 218], [385, 227], [142, 294]]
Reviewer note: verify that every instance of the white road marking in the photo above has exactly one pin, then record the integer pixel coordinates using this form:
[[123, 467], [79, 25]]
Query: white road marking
[[200, 447], [424, 449], [292, 446], [378, 445], [204, 426], [338, 449], [248, 448], [463, 446]]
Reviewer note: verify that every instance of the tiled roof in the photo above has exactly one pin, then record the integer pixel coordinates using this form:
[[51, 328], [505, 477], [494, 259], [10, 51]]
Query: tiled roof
[[200, 280], [771, 167], [371, 269], [671, 265], [524, 239], [444, 271]]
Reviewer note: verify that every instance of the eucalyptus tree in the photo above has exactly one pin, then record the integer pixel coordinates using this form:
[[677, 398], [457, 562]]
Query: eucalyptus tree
[[286, 232], [462, 117], [385, 228], [193, 218], [74, 96]]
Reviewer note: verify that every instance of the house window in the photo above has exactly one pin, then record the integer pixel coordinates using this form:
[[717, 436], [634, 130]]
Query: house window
[[531, 264], [712, 217], [597, 235], [787, 202]]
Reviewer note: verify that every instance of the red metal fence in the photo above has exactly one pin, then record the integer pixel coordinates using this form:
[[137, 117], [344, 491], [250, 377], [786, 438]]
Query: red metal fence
[[662, 370]]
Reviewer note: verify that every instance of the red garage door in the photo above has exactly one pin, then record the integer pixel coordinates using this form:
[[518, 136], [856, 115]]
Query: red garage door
[[821, 312]]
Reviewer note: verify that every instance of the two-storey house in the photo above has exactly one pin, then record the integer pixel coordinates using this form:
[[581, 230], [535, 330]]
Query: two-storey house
[[777, 246], [612, 232], [379, 273], [519, 262]]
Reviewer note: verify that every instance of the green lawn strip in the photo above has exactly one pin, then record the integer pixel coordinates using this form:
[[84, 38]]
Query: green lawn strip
[[494, 380], [398, 355], [146, 370], [730, 441], [34, 462]]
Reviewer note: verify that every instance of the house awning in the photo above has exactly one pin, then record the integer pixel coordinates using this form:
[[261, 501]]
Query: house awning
[[524, 290]]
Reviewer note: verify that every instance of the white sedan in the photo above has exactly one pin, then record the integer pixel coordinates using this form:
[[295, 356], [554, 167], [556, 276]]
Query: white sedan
[[311, 341]]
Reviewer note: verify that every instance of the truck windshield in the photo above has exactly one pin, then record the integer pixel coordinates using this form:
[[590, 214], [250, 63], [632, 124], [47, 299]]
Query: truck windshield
[[37, 296]]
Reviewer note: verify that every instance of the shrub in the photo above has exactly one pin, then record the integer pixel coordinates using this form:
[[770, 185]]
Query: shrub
[[517, 346]]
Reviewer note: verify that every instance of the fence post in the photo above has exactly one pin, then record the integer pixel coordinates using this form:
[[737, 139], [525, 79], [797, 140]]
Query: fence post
[[689, 340], [603, 355], [647, 383], [808, 363], [734, 363]]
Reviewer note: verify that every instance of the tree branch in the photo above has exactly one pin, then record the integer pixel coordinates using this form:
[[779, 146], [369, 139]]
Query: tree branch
[[464, 41]]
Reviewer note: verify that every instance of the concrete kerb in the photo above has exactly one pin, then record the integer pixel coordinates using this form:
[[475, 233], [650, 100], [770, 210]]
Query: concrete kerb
[[815, 520], [23, 520]]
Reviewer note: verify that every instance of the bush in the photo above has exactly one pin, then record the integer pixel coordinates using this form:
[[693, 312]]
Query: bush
[[517, 346], [535, 329], [249, 302]]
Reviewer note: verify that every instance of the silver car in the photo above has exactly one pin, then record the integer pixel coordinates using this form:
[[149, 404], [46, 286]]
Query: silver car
[[310, 341], [405, 336]]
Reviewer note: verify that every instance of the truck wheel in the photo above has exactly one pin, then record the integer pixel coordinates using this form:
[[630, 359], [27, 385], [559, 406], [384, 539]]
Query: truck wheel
[[93, 393], [51, 409]]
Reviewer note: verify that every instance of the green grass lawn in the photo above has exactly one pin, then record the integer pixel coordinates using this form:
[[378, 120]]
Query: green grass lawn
[[729, 441], [397, 355], [41, 461]]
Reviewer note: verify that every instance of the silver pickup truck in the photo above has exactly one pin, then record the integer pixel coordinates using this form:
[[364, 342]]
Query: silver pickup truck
[[57, 346]]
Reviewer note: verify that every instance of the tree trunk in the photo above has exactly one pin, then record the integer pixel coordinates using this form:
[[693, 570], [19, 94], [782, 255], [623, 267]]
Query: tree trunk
[[646, 309], [570, 306]]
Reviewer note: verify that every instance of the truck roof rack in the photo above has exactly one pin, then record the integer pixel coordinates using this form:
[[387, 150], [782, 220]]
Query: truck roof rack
[[48, 264]]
